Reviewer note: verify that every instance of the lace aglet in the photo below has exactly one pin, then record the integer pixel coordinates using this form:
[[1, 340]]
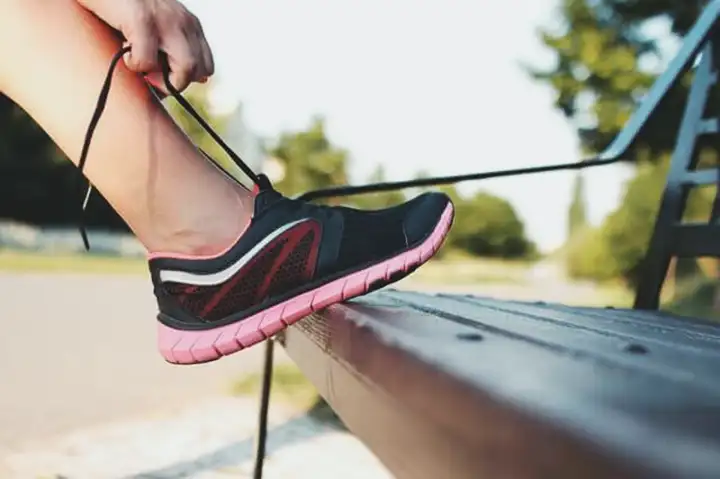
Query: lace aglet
[[84, 235]]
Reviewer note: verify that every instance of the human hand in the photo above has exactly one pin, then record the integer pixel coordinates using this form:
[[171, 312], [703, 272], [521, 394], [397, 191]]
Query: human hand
[[150, 26]]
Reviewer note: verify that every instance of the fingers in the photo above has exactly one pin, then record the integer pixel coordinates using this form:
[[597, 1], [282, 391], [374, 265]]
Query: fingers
[[189, 56], [144, 41], [207, 56], [179, 34], [183, 61], [202, 66]]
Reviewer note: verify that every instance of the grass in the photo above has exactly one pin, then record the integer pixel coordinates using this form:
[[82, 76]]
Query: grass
[[454, 269], [451, 270], [695, 299], [20, 261], [288, 385]]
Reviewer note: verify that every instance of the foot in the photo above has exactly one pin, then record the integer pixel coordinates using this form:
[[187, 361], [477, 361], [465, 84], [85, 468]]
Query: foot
[[294, 258]]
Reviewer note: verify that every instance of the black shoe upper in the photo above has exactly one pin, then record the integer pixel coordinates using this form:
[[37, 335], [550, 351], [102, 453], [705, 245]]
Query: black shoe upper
[[290, 246]]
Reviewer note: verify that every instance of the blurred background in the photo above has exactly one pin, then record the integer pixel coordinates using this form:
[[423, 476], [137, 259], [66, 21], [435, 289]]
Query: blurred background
[[318, 93]]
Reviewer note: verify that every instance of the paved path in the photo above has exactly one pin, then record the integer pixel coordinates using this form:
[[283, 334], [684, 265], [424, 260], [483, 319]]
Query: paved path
[[78, 350], [211, 440]]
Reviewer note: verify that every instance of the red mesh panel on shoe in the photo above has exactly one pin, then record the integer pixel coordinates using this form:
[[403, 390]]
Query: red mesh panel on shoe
[[238, 293], [283, 265], [295, 269]]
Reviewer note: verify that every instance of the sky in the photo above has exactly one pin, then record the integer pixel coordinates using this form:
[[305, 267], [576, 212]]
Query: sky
[[412, 84]]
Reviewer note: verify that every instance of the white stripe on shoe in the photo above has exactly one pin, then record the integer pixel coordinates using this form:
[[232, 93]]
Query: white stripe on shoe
[[220, 277]]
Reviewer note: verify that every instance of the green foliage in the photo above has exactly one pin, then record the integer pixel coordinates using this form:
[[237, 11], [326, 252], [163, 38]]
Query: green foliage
[[197, 96], [487, 225], [588, 256], [288, 383], [627, 231], [23, 143], [620, 244], [310, 160], [37, 184], [577, 215], [61, 263], [697, 300], [600, 70], [604, 65]]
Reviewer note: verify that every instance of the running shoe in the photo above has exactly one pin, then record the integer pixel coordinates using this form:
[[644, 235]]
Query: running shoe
[[295, 258]]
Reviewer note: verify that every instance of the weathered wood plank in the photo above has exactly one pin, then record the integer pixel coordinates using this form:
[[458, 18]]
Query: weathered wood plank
[[445, 386]]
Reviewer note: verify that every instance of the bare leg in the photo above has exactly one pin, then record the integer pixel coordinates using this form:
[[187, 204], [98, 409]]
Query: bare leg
[[53, 58]]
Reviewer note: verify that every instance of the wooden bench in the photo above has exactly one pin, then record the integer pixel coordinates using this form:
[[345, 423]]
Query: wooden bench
[[468, 387], [452, 386]]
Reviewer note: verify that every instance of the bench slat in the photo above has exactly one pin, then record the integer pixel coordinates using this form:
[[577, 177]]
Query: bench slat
[[673, 355]]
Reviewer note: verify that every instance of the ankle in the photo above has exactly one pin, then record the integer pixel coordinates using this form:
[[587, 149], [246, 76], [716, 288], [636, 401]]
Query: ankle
[[208, 232], [196, 242]]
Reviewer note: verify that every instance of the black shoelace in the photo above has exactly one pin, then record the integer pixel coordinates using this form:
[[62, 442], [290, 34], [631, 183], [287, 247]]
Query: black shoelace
[[100, 108], [345, 190]]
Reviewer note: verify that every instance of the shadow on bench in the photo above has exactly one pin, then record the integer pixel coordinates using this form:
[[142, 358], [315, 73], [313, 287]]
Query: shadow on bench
[[443, 386]]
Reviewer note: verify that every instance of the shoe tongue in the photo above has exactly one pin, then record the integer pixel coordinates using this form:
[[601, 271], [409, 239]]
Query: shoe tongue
[[263, 183], [265, 194]]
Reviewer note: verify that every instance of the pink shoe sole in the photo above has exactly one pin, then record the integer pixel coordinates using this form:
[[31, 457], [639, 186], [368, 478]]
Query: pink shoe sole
[[194, 347]]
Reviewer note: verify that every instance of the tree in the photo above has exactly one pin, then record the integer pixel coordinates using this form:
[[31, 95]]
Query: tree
[[37, 184], [577, 216], [486, 225], [603, 67], [310, 160], [619, 245], [627, 231]]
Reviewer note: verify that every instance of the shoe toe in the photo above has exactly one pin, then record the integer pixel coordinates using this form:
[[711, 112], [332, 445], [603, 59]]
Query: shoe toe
[[423, 215]]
